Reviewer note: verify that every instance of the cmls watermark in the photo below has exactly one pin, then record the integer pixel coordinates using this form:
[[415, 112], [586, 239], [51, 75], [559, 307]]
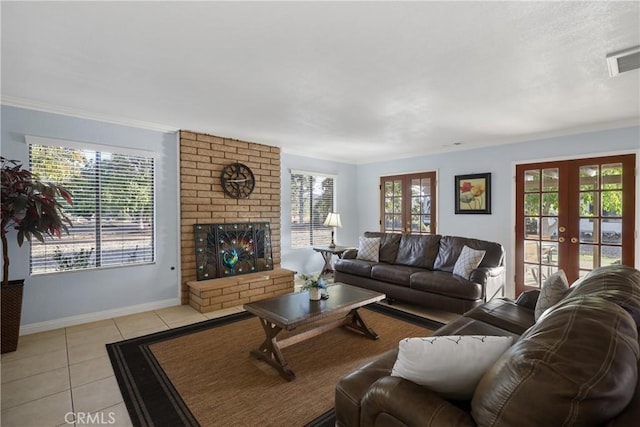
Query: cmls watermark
[[99, 418]]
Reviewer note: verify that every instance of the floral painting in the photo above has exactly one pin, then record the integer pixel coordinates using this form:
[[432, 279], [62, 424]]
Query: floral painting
[[473, 193]]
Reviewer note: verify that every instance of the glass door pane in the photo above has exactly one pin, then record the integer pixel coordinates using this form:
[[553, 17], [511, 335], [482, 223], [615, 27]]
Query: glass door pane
[[420, 205], [574, 215], [408, 203]]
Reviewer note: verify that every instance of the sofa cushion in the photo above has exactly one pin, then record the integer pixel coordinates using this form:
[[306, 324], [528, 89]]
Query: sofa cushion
[[619, 284], [418, 250], [389, 243], [554, 288], [451, 246], [397, 274], [450, 365], [369, 249], [578, 364], [504, 314], [354, 266], [468, 261], [439, 282]]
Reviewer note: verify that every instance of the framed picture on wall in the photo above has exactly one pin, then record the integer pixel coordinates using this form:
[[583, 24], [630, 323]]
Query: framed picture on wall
[[473, 193]]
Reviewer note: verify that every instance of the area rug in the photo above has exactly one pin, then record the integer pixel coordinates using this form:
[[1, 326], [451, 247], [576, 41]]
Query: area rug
[[203, 374]]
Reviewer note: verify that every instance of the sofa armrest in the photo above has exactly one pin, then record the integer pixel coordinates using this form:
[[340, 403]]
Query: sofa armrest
[[349, 254], [491, 278], [528, 299], [407, 403]]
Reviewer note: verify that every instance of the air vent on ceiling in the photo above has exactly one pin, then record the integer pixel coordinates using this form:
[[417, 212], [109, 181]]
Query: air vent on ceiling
[[624, 60]]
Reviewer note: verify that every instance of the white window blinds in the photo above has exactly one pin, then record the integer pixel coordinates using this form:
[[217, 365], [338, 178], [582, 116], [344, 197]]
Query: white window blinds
[[311, 201], [113, 208]]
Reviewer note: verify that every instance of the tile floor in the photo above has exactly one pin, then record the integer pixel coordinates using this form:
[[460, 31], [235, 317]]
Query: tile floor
[[57, 375]]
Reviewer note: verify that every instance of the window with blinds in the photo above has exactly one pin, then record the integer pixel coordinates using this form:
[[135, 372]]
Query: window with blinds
[[112, 213], [311, 201]]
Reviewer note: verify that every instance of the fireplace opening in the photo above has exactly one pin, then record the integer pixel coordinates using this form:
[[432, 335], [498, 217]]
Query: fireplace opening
[[224, 250]]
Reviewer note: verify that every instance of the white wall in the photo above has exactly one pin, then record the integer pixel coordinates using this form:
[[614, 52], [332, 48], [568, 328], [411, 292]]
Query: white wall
[[72, 295], [305, 260], [500, 161]]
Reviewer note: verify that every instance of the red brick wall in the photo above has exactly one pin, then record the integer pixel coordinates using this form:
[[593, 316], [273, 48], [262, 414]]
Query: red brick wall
[[202, 200]]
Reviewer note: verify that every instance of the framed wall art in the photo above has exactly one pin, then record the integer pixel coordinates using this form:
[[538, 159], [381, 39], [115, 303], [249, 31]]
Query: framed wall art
[[473, 193]]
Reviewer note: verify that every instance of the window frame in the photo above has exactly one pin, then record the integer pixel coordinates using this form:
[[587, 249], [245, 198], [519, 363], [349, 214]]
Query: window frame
[[101, 148], [404, 202], [311, 242]]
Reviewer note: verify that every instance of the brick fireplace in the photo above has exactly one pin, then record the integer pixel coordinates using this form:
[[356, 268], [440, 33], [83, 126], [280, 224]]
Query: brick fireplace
[[202, 200]]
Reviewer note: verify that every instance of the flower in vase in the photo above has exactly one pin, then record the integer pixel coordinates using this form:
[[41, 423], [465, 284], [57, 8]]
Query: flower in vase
[[311, 282]]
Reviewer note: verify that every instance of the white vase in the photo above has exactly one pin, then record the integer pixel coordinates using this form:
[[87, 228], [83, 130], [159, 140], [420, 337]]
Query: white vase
[[315, 294]]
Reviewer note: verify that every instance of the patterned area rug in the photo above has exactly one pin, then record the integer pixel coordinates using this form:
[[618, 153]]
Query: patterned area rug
[[203, 374]]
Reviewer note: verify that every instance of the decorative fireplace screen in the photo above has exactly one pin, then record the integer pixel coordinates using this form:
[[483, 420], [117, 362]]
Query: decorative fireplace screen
[[224, 250]]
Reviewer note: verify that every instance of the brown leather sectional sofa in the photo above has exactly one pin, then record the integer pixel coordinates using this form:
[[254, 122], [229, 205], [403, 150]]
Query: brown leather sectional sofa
[[418, 269], [577, 366]]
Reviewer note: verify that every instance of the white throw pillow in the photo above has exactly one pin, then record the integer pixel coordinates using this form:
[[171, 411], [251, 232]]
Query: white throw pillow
[[554, 289], [369, 249], [468, 261], [451, 366]]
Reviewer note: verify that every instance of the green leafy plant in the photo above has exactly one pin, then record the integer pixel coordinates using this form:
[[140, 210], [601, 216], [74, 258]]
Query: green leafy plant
[[311, 282], [29, 206], [78, 259]]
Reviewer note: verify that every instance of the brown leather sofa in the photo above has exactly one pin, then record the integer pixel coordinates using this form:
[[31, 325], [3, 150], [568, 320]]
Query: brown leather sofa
[[576, 366], [418, 269]]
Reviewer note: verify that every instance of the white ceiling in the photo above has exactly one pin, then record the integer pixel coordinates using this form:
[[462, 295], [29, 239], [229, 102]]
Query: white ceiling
[[350, 81]]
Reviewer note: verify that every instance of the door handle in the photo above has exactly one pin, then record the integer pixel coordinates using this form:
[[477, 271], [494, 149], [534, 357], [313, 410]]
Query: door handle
[[574, 240]]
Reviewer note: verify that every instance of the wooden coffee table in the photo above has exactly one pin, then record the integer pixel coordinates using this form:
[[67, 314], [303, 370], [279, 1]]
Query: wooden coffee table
[[292, 311]]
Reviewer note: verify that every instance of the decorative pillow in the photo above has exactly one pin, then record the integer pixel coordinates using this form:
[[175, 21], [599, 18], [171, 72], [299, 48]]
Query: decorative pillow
[[468, 261], [553, 290], [369, 249], [450, 365]]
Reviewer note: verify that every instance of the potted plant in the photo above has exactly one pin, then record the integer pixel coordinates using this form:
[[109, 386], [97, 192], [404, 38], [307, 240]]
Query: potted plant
[[31, 208], [314, 285]]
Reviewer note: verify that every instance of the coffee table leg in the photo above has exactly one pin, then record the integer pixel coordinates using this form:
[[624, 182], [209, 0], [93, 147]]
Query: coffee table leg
[[358, 324], [270, 352]]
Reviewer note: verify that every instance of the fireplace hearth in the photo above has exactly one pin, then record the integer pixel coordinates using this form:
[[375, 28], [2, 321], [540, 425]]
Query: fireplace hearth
[[224, 250]]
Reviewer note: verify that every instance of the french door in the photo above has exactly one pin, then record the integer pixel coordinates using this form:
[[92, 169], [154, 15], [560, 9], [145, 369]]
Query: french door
[[408, 203], [573, 215]]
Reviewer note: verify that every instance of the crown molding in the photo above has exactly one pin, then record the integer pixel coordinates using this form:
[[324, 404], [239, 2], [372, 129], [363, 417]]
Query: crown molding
[[11, 101]]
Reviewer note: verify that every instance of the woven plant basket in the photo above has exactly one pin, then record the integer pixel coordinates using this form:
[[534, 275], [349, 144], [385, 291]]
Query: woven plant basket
[[11, 313]]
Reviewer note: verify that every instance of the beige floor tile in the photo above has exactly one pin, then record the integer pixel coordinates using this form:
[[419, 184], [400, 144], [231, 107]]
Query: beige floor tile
[[96, 396], [102, 334], [32, 365], [90, 371], [178, 313], [44, 412], [45, 334], [24, 390], [223, 312], [129, 325], [187, 321], [90, 325], [35, 346], [143, 332], [116, 416], [84, 352]]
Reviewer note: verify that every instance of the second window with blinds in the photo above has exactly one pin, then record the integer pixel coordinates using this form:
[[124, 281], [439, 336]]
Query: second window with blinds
[[312, 198]]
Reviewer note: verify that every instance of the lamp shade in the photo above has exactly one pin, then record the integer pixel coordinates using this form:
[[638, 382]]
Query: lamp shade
[[333, 220]]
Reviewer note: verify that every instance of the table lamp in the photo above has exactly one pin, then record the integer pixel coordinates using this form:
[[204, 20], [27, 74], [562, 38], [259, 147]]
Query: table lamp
[[333, 220]]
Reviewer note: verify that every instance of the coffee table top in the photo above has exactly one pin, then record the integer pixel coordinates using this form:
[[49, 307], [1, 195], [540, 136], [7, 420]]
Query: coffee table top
[[291, 310]]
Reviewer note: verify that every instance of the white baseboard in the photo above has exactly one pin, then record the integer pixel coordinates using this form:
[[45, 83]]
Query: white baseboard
[[48, 325]]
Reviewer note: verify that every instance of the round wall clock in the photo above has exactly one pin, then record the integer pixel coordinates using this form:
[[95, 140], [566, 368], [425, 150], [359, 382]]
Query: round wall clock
[[237, 180]]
